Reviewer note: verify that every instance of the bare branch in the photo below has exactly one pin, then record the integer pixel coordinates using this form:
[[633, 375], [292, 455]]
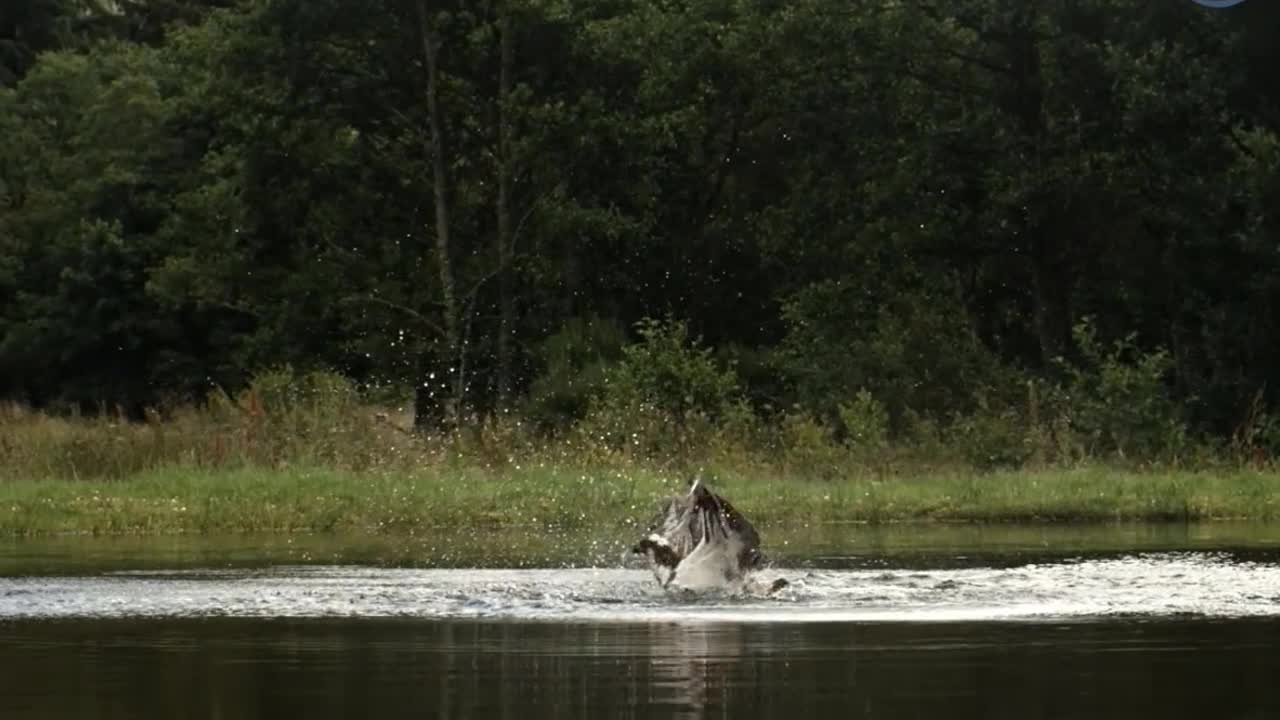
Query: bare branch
[[375, 300], [515, 234]]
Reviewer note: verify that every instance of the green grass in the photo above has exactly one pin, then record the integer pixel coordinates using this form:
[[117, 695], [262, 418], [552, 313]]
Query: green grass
[[182, 499], [330, 464]]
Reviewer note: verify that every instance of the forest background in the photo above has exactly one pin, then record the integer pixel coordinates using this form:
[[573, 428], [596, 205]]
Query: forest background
[[811, 239]]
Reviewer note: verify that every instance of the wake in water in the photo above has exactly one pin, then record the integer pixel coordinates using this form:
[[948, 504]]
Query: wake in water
[[699, 541], [1157, 585]]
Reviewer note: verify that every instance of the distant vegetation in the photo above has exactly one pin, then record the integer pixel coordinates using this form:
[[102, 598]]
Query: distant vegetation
[[302, 452], [665, 405], [829, 242]]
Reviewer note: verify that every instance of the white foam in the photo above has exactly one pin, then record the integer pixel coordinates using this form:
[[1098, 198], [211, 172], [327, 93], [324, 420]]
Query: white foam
[[1142, 585]]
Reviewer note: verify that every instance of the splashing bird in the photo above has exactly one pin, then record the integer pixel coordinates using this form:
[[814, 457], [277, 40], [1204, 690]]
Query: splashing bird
[[699, 540]]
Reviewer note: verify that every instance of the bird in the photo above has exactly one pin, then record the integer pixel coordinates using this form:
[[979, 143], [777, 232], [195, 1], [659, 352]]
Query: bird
[[700, 540]]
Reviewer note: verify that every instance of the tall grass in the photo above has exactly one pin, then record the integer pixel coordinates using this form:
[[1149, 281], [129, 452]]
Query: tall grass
[[303, 453]]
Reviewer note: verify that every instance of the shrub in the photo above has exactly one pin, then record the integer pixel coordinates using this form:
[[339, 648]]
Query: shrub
[[575, 361], [314, 396], [665, 396], [808, 448], [1257, 438], [991, 438], [842, 337], [314, 416], [1119, 400], [670, 373], [865, 422]]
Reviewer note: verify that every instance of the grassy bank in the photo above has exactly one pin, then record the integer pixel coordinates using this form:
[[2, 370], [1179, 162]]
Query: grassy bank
[[313, 457], [190, 499]]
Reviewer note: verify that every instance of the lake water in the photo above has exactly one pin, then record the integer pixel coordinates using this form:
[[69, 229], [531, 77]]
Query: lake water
[[1134, 621]]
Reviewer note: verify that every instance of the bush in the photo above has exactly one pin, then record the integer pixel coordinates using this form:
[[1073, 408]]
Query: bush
[[841, 337], [809, 448], [575, 361], [669, 373], [1257, 438], [665, 396], [314, 416], [310, 397], [1119, 400], [865, 422], [990, 439]]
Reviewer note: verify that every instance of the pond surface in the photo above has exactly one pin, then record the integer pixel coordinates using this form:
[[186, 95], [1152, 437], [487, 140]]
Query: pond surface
[[1129, 621]]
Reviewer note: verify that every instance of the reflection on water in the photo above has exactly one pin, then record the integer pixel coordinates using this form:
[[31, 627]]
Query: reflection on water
[[320, 669]]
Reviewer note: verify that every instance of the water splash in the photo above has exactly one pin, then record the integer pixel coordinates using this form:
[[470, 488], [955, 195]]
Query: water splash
[[1151, 585]]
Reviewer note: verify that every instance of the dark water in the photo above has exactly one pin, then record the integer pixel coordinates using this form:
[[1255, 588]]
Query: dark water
[[231, 668], [1135, 622]]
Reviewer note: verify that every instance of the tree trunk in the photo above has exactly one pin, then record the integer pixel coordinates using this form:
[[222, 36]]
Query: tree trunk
[[1049, 234], [426, 405], [1051, 284], [506, 310]]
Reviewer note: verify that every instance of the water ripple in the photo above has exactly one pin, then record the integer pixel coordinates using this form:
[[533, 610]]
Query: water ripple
[[1169, 584]]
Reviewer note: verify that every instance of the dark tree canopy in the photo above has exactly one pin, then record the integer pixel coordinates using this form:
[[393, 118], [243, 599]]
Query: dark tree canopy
[[933, 203]]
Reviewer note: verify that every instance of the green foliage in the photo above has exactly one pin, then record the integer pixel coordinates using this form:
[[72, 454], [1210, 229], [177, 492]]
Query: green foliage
[[319, 396], [991, 439], [665, 396], [890, 221], [808, 448], [575, 361], [1120, 400], [670, 373], [841, 339], [84, 167], [284, 418], [101, 476], [865, 422], [1258, 434]]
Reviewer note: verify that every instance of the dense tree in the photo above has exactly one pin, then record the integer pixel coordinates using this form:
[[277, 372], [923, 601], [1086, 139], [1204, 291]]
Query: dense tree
[[919, 200]]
